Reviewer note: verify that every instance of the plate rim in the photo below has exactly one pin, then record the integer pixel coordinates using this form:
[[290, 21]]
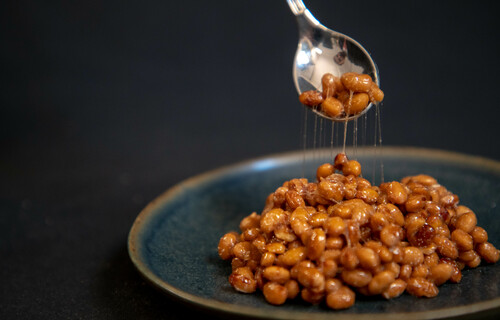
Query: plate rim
[[148, 213]]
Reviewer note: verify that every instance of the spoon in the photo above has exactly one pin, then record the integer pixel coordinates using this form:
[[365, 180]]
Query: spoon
[[321, 50]]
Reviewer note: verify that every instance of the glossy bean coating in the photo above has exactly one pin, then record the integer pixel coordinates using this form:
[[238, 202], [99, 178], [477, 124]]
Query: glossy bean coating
[[466, 222], [463, 240], [267, 259], [421, 287], [277, 274], [396, 193], [356, 103], [292, 288], [488, 252], [328, 85], [226, 244], [352, 167], [243, 250], [242, 280], [311, 277], [446, 247], [272, 219], [440, 273], [479, 235], [335, 226], [342, 298], [356, 278], [381, 282], [324, 170], [395, 289], [294, 199], [376, 95], [332, 107], [413, 256], [315, 244], [311, 98], [368, 258], [275, 293], [331, 190], [390, 235], [356, 82]]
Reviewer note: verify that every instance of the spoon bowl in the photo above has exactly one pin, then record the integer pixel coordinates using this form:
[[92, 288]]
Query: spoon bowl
[[321, 50]]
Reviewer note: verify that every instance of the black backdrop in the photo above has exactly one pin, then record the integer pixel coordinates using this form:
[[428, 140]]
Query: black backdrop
[[105, 104]]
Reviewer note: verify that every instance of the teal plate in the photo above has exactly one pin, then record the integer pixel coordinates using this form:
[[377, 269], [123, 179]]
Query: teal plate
[[173, 242]]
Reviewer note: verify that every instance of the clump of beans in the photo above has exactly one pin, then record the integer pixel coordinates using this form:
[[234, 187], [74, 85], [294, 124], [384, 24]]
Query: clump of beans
[[345, 96], [339, 236]]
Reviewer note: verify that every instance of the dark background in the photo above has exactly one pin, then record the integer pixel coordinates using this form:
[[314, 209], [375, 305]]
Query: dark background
[[105, 104]]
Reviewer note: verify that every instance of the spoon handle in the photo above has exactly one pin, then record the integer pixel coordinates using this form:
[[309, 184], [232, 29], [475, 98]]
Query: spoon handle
[[297, 6], [304, 16]]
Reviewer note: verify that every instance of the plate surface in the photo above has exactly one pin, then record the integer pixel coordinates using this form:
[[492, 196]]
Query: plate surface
[[173, 242]]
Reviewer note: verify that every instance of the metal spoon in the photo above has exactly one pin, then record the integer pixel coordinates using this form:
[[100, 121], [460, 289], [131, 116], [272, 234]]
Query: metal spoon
[[321, 50]]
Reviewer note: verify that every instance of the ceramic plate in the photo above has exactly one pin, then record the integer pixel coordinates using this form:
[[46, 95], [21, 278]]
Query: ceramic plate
[[173, 242]]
